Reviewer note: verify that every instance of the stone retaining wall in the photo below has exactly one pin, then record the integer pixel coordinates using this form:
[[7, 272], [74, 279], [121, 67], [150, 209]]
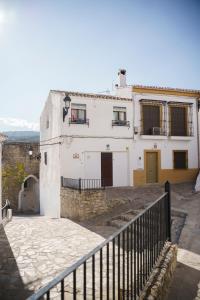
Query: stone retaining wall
[[198, 293], [158, 284], [85, 205]]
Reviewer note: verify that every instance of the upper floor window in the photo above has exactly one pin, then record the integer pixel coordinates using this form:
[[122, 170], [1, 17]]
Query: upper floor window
[[180, 119], [119, 116], [47, 123], [45, 158], [153, 117], [78, 113], [119, 113]]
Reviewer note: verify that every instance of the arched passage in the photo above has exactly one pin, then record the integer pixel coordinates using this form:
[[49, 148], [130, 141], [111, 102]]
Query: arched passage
[[29, 195]]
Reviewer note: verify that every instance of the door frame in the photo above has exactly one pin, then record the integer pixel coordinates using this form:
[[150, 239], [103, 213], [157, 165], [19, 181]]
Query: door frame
[[158, 164]]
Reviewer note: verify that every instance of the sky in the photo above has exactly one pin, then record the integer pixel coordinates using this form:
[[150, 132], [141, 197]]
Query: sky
[[80, 45]]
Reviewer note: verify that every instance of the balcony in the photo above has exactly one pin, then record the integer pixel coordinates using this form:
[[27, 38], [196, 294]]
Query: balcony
[[154, 130], [121, 123], [79, 121], [181, 131]]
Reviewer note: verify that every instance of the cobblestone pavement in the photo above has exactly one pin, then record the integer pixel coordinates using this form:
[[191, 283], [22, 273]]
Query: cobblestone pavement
[[33, 250]]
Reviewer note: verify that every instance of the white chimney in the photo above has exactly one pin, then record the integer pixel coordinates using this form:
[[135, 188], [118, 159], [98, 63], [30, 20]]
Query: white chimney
[[122, 77]]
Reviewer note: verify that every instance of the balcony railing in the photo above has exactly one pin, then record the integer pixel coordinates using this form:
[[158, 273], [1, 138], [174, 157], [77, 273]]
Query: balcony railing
[[188, 130], [166, 130], [79, 121], [120, 267], [120, 123], [82, 184], [154, 130]]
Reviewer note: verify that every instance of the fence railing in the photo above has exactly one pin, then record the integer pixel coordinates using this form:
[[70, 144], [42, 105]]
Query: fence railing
[[121, 265], [4, 209], [82, 184]]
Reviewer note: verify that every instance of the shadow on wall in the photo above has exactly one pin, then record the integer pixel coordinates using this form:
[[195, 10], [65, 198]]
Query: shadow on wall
[[184, 276], [29, 195], [11, 284]]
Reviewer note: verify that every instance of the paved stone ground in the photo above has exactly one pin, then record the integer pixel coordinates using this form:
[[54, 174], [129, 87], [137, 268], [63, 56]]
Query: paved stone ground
[[187, 274], [34, 249]]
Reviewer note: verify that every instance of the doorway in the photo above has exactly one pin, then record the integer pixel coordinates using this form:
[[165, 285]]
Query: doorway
[[107, 168], [151, 167], [29, 195]]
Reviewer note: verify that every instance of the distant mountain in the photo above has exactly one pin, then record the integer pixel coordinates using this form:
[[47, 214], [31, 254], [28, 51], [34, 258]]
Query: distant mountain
[[22, 136]]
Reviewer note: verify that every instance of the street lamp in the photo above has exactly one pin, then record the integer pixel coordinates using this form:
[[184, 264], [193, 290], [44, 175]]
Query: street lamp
[[31, 156], [67, 101]]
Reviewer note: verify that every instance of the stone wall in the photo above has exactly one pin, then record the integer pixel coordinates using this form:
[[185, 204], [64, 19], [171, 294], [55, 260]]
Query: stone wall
[[198, 293], [13, 154], [85, 205], [159, 282]]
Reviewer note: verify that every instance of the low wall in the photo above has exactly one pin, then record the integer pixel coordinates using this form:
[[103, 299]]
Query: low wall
[[173, 176], [159, 282], [85, 205], [198, 293]]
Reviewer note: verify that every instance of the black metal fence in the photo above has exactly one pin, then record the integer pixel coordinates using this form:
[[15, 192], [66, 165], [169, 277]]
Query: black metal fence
[[121, 265], [4, 209], [82, 184]]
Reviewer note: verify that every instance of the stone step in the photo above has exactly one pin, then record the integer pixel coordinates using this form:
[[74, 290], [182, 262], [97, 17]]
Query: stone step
[[118, 223]]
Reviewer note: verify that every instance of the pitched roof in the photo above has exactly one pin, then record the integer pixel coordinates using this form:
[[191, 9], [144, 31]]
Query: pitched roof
[[168, 90], [91, 95]]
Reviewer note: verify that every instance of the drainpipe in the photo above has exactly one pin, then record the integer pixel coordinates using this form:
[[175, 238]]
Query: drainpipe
[[198, 149]]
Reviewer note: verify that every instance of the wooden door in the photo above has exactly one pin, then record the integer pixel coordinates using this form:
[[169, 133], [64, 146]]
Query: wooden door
[[107, 168], [152, 167]]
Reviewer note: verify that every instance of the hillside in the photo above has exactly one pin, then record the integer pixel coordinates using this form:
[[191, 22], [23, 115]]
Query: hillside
[[23, 136]]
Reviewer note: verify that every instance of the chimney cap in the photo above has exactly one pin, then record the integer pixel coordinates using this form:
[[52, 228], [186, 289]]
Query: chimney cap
[[122, 71]]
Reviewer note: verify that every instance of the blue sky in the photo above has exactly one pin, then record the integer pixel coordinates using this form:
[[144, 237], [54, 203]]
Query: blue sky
[[80, 45]]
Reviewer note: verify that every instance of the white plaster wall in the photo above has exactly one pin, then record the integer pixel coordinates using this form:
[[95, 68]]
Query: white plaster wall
[[50, 181], [166, 144], [87, 163], [100, 115]]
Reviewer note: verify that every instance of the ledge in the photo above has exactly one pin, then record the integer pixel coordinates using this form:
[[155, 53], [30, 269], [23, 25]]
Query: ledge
[[181, 138], [153, 137]]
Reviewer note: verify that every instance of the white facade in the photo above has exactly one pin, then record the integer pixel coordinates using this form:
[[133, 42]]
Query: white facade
[[74, 150], [2, 139]]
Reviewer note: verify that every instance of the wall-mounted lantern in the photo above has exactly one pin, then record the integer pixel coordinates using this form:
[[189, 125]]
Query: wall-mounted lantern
[[67, 101], [108, 147], [31, 156]]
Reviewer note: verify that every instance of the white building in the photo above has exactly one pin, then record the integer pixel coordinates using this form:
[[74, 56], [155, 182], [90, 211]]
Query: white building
[[142, 135], [2, 139]]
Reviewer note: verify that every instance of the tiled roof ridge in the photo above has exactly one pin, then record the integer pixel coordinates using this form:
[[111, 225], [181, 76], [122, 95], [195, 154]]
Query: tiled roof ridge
[[102, 96], [166, 88]]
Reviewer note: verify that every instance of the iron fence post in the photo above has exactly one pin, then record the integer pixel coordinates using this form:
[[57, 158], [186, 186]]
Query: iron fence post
[[168, 191]]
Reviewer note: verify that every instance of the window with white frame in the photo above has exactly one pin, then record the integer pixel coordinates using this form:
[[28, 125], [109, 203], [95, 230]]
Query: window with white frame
[[119, 114], [78, 113]]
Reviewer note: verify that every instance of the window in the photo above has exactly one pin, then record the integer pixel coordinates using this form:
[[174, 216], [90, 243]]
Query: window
[[45, 158], [151, 119], [119, 113], [180, 159], [47, 123], [78, 113], [178, 116]]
